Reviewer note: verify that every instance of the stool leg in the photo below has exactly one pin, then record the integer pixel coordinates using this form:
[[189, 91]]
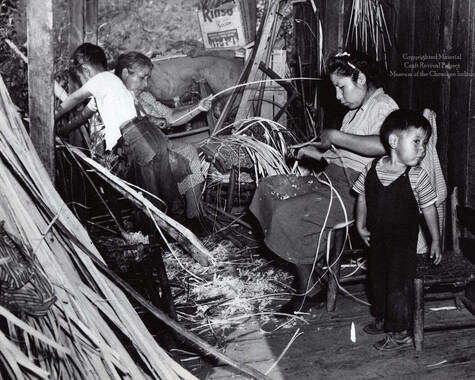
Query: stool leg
[[232, 183], [334, 271], [458, 302], [167, 297], [418, 313], [207, 197], [151, 285]]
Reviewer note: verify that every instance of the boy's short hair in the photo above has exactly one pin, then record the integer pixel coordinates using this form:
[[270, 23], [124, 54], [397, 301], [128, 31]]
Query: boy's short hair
[[402, 120], [130, 61], [88, 53]]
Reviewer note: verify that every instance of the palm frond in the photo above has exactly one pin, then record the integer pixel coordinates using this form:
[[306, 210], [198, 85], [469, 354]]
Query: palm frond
[[75, 339]]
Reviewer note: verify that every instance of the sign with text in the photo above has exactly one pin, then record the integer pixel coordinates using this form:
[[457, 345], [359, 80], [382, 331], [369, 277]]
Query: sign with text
[[222, 27]]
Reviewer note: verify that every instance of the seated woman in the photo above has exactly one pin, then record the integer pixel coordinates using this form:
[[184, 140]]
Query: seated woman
[[296, 213], [134, 69]]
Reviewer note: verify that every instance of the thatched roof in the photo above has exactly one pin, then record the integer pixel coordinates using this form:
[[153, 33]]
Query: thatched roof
[[78, 338]]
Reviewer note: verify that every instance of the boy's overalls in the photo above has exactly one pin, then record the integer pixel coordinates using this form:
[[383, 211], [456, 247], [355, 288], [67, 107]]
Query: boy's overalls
[[393, 221]]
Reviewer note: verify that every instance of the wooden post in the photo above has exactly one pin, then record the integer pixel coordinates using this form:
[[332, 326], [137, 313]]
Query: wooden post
[[167, 296], [83, 28], [418, 313], [265, 43], [334, 272], [83, 20], [76, 31], [90, 29], [41, 79]]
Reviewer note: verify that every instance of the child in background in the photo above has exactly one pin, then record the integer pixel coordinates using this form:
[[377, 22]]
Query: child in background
[[391, 192], [134, 69], [145, 149]]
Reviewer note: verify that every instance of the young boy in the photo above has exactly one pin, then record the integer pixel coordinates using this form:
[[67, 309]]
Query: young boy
[[391, 192], [145, 149]]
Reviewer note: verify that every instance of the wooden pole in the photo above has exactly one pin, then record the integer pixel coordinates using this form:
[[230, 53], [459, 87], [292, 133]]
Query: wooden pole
[[41, 79], [334, 272], [261, 50], [76, 22], [90, 29], [83, 16], [76, 37], [83, 22], [418, 313]]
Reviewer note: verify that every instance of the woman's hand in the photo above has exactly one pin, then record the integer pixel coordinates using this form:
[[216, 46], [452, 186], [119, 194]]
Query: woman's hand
[[160, 122], [205, 104], [308, 151], [327, 138]]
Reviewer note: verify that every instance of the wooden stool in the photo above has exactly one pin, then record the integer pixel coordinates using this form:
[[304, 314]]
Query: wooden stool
[[455, 271], [154, 262]]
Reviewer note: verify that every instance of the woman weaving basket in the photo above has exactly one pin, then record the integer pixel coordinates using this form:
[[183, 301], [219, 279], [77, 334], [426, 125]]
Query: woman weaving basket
[[296, 213]]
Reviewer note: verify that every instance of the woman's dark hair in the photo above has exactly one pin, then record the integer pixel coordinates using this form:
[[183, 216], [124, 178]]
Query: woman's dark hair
[[400, 121], [349, 64], [130, 61]]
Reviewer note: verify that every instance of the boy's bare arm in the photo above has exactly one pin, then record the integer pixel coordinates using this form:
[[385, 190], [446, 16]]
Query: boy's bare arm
[[77, 97], [78, 120], [432, 221], [361, 214]]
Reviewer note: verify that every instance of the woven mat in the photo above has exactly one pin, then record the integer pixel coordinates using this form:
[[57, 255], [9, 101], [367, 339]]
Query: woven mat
[[453, 269]]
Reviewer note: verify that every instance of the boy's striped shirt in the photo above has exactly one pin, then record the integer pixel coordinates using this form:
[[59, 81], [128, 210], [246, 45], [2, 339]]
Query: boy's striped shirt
[[418, 178]]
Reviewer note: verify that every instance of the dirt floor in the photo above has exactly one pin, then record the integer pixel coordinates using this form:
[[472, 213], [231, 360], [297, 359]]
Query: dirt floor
[[324, 350], [319, 345], [316, 345]]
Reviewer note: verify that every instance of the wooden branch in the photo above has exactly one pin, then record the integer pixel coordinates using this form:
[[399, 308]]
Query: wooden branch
[[39, 17], [59, 92], [279, 80], [261, 50]]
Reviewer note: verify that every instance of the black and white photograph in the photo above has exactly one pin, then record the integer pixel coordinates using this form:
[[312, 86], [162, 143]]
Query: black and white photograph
[[237, 189]]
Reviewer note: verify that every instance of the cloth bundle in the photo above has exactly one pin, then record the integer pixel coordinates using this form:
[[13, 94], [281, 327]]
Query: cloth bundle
[[24, 289]]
